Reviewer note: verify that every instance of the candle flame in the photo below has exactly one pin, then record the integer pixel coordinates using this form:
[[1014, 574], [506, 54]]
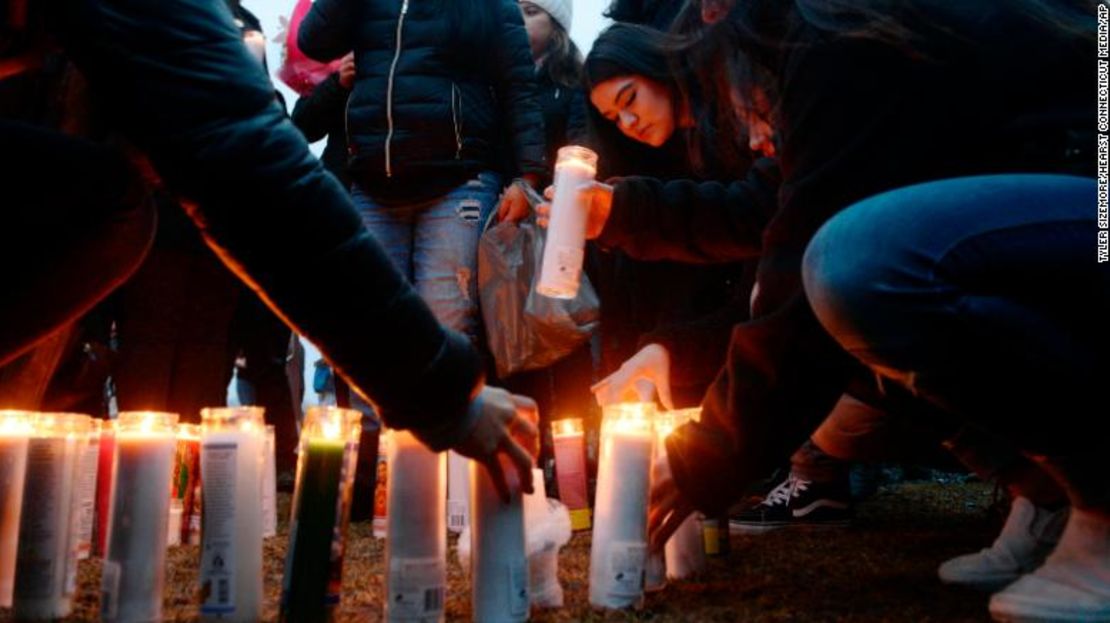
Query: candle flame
[[567, 427], [330, 427]]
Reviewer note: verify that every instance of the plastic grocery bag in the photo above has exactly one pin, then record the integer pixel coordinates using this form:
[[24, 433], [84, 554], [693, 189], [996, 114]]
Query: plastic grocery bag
[[301, 73], [525, 329]]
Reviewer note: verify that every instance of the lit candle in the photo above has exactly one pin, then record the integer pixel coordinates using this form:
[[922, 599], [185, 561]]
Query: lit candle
[[104, 478], [316, 533], [46, 562], [269, 486], [416, 537], [499, 567], [15, 429], [186, 481], [458, 492], [231, 445], [381, 497], [566, 231], [570, 470], [619, 542], [684, 551], [133, 575], [88, 463]]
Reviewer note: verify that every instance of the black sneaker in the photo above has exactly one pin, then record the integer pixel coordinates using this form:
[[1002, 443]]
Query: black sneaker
[[796, 502]]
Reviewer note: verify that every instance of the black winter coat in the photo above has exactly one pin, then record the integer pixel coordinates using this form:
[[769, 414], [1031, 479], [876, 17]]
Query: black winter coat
[[322, 113], [178, 82], [564, 115], [419, 122]]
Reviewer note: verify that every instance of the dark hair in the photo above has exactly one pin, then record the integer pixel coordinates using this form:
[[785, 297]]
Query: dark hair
[[563, 62], [632, 49], [655, 13], [740, 53]]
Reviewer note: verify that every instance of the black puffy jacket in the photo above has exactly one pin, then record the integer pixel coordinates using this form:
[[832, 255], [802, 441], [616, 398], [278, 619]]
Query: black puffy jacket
[[418, 121]]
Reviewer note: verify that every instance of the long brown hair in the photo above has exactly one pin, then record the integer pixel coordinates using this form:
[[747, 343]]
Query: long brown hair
[[563, 61]]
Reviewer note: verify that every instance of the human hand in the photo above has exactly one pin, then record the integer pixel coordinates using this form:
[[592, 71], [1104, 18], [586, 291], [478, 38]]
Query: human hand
[[596, 196], [506, 426], [347, 71], [514, 204], [667, 509], [644, 374]]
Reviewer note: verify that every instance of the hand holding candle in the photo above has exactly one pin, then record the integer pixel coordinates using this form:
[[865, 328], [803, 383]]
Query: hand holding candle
[[506, 425], [596, 196]]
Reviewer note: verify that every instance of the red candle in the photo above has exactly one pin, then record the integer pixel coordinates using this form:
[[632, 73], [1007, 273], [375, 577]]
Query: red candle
[[104, 479], [570, 470]]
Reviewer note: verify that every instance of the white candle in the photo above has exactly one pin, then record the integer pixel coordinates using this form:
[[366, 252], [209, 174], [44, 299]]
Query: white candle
[[15, 429], [86, 490], [232, 441], [542, 550], [566, 231], [458, 492], [46, 561], [416, 537], [133, 575], [619, 543], [499, 567], [269, 486], [684, 552]]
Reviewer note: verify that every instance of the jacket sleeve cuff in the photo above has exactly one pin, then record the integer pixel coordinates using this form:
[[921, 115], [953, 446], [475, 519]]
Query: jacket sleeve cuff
[[453, 432]]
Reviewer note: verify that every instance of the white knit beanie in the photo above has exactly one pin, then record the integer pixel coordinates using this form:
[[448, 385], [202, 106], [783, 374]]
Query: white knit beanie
[[561, 11]]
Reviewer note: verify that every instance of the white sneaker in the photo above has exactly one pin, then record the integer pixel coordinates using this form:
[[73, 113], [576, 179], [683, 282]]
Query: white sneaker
[[1027, 537], [1073, 585]]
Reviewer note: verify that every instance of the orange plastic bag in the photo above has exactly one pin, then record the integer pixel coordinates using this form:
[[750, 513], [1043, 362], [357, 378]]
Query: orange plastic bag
[[301, 73]]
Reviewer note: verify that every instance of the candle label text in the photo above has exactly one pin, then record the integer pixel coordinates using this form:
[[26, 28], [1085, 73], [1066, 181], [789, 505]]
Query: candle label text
[[217, 566], [416, 587], [626, 568]]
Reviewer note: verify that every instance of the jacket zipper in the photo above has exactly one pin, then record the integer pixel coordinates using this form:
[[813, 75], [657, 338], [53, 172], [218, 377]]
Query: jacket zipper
[[389, 89], [455, 119]]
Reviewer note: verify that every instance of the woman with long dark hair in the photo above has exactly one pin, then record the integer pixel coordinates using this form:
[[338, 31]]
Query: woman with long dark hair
[[642, 126], [435, 83], [974, 283]]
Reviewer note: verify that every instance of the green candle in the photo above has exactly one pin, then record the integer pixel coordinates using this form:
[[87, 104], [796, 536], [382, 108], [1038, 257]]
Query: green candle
[[315, 532]]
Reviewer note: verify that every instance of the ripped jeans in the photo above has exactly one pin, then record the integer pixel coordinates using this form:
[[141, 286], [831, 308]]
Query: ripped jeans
[[435, 244]]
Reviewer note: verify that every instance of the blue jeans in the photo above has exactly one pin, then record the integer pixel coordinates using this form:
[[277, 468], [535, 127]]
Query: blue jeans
[[980, 294], [435, 244]]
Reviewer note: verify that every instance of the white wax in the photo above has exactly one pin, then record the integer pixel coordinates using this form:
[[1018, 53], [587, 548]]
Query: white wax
[[566, 233], [85, 493], [134, 570], [45, 553], [685, 550], [458, 492], [619, 543], [269, 487], [542, 550], [13, 465], [499, 567], [231, 534], [416, 537]]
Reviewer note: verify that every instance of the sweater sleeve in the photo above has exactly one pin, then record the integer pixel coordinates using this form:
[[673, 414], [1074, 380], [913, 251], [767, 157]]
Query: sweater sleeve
[[183, 87], [315, 114], [516, 85], [687, 221]]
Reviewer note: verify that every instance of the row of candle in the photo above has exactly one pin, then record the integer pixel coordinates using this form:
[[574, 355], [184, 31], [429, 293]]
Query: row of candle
[[232, 461]]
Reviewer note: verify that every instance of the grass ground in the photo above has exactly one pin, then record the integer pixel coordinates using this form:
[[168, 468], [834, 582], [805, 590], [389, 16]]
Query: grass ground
[[883, 569]]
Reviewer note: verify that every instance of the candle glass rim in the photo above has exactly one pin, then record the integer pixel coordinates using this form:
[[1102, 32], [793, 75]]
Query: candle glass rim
[[558, 429], [17, 421], [146, 422], [348, 421], [581, 153], [51, 423]]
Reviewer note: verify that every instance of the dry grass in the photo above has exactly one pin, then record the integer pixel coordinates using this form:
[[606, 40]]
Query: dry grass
[[883, 569]]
